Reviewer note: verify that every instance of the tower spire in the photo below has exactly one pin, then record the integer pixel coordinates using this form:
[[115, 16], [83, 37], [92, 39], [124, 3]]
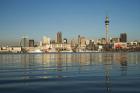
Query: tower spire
[[107, 28]]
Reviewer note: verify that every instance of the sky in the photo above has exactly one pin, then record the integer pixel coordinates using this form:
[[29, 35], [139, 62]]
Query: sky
[[38, 18]]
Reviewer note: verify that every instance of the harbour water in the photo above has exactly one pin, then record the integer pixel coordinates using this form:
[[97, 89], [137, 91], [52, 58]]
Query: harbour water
[[70, 73]]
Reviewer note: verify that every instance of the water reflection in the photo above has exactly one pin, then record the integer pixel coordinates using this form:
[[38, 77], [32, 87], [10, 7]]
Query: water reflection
[[64, 61], [74, 65], [108, 59], [123, 63]]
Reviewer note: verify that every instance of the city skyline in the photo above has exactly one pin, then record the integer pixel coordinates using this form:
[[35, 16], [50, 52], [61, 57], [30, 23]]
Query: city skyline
[[35, 18]]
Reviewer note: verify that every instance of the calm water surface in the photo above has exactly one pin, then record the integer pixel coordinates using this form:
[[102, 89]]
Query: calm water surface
[[70, 73]]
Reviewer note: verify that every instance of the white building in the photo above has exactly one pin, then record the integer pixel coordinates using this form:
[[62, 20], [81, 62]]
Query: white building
[[46, 40]]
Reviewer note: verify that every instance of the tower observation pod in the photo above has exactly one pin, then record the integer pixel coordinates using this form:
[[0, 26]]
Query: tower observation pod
[[107, 28]]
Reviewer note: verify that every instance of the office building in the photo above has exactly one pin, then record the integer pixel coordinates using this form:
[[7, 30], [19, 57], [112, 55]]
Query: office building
[[59, 38], [31, 43], [81, 41], [24, 42], [115, 40], [46, 40], [123, 37]]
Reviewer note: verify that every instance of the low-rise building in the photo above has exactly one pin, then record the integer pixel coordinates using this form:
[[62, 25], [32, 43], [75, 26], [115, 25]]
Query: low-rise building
[[120, 45]]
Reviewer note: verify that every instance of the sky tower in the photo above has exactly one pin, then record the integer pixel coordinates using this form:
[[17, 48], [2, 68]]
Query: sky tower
[[107, 28]]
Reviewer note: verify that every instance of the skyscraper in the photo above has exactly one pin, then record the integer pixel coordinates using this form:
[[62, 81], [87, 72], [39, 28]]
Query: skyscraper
[[81, 41], [31, 43], [59, 37], [24, 42], [123, 37]]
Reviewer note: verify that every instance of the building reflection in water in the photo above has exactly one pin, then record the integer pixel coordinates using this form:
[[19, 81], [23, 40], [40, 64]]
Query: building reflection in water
[[107, 59], [24, 61], [60, 65], [123, 64], [77, 63]]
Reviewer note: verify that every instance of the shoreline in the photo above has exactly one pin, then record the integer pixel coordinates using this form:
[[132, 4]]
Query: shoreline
[[74, 52]]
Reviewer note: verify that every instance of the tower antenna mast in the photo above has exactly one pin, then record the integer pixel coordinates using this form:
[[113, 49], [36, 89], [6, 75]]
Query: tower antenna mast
[[107, 28]]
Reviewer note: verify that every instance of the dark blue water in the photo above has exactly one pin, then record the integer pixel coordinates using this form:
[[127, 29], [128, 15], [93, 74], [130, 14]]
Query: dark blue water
[[70, 73]]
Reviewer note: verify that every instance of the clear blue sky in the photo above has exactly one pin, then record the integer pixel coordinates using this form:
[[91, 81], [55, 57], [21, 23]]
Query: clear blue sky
[[36, 18]]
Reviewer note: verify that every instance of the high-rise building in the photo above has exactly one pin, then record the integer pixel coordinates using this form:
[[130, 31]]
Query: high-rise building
[[59, 37], [24, 42], [31, 43], [46, 40], [81, 41], [91, 45], [123, 37], [73, 43]]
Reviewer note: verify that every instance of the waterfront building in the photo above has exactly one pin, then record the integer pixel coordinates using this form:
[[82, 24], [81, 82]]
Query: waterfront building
[[46, 40], [65, 40], [98, 41], [90, 45], [134, 43], [115, 40], [81, 41], [87, 42], [123, 37], [73, 43], [11, 49], [14, 49], [24, 42], [31, 43], [40, 43], [60, 47], [101, 41], [120, 45], [100, 47], [59, 38]]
